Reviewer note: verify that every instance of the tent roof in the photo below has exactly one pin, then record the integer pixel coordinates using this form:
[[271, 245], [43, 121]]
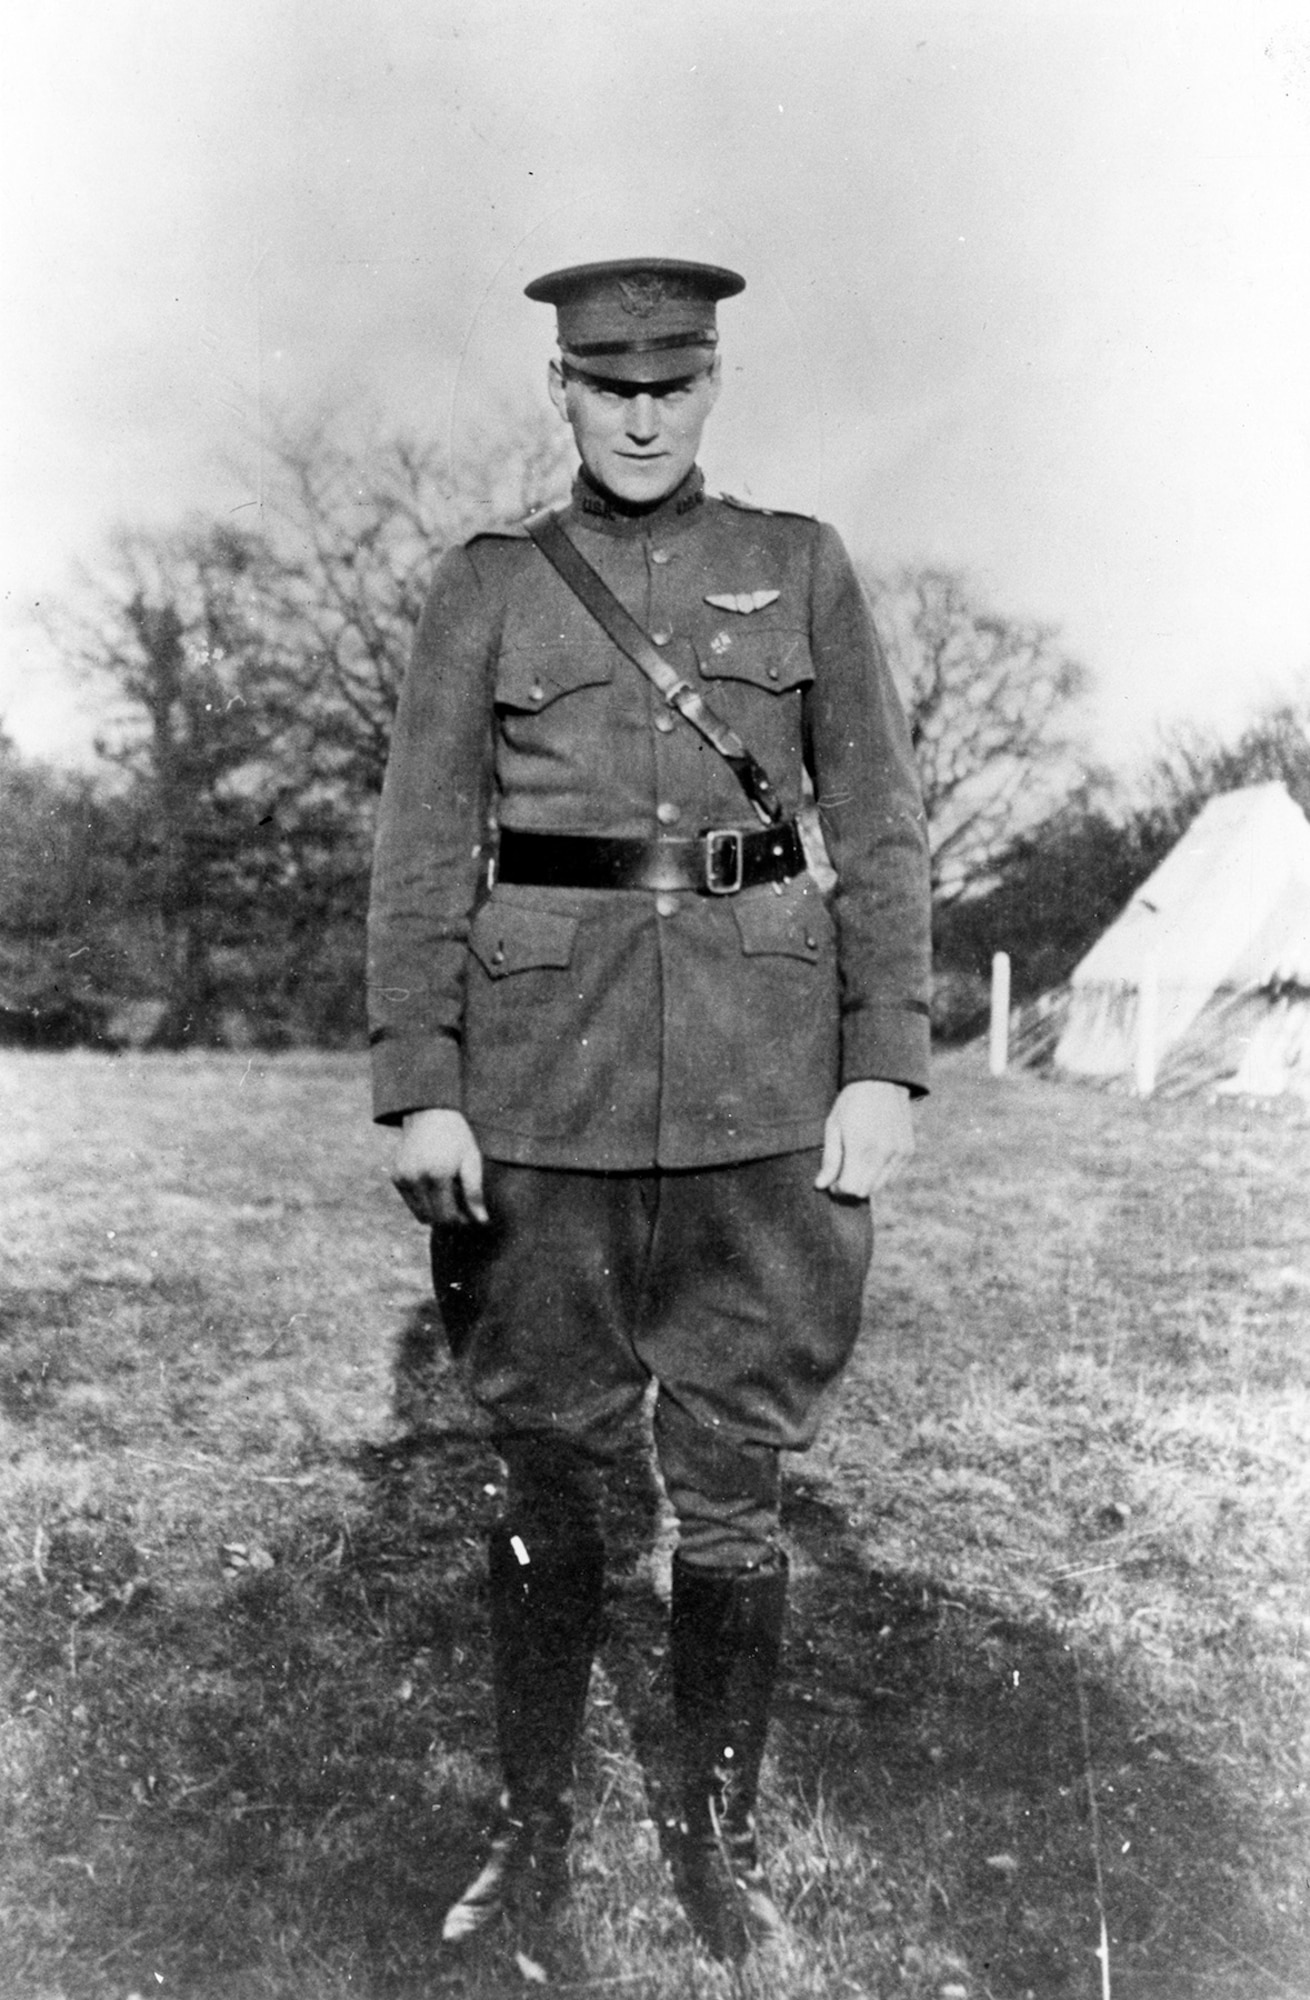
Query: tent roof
[[1229, 905]]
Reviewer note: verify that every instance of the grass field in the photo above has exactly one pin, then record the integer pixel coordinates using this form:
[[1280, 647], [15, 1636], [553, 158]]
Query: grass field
[[1051, 1648]]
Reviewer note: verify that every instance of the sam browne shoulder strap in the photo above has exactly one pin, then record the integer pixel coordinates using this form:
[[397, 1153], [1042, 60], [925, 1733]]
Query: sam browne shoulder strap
[[592, 591]]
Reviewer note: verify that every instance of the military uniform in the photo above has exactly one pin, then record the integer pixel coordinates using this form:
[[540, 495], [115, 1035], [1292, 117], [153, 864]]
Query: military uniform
[[618, 1030], [647, 1070]]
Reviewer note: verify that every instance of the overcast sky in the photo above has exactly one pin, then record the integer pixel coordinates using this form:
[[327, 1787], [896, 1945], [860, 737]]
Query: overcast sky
[[1029, 281]]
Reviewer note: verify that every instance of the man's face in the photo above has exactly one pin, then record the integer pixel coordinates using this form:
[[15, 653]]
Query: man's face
[[638, 440]]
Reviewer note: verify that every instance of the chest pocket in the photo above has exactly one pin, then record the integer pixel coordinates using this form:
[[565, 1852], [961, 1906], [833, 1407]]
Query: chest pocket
[[530, 678], [775, 659]]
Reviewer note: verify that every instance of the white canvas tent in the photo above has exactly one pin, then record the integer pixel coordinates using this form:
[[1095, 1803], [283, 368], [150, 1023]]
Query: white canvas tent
[[1210, 962]]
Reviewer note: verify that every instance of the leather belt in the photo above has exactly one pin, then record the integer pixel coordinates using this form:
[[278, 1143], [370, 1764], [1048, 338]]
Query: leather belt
[[718, 862]]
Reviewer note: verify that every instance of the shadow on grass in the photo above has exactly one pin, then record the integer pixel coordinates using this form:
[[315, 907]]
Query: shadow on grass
[[274, 1785], [961, 1741]]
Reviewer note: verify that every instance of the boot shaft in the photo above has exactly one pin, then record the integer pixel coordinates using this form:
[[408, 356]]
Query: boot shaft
[[725, 1645], [545, 1626], [726, 1640]]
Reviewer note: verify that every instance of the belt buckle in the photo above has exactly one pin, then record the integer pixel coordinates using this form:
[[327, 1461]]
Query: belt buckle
[[720, 842]]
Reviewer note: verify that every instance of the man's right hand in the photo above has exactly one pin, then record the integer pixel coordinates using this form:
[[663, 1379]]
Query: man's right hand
[[438, 1170]]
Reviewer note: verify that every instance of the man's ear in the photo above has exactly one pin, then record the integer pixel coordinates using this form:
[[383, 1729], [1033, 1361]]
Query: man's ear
[[558, 388]]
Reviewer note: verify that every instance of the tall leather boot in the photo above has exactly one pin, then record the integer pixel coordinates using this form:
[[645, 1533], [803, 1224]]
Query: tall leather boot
[[725, 1642], [545, 1625]]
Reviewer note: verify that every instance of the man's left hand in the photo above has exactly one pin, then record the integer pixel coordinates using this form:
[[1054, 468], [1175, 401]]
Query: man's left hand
[[868, 1138]]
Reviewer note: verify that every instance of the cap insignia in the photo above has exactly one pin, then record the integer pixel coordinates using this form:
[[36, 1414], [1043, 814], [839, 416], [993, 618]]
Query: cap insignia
[[643, 294]]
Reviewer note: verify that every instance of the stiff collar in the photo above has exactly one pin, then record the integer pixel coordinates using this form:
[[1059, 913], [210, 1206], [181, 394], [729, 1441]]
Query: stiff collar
[[592, 507]]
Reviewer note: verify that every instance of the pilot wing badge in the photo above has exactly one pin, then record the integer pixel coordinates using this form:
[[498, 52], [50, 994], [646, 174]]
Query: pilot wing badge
[[742, 600]]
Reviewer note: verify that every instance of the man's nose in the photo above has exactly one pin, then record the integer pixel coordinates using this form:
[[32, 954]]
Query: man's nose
[[643, 416]]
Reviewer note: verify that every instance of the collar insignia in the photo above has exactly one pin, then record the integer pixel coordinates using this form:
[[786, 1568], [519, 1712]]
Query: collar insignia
[[742, 600]]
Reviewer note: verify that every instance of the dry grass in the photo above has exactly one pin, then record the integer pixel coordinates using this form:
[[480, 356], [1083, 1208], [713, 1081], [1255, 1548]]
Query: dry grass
[[246, 1738]]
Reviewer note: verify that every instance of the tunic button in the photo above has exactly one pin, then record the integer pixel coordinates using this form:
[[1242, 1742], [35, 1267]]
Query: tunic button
[[773, 673], [666, 905], [664, 722], [667, 813], [498, 955], [811, 944], [661, 638], [660, 556], [536, 691]]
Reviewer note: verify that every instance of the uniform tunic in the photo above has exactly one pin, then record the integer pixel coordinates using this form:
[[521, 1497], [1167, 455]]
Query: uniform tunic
[[616, 1030]]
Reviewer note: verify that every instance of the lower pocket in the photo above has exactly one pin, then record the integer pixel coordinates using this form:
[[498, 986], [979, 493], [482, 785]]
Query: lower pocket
[[526, 1044]]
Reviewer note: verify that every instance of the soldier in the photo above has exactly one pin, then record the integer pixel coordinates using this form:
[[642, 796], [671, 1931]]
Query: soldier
[[649, 1078]]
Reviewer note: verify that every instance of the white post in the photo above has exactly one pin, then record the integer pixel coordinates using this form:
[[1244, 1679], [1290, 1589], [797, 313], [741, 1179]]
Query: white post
[[1148, 1024], [998, 1050]]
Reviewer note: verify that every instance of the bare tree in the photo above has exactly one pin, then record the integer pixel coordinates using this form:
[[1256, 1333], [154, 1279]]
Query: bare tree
[[357, 528], [253, 678], [990, 701], [1195, 764]]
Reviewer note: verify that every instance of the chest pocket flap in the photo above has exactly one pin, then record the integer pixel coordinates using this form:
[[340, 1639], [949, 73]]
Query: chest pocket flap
[[533, 677], [506, 938], [776, 659]]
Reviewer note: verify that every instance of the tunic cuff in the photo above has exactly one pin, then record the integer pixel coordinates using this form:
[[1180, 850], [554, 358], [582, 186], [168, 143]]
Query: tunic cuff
[[887, 1042], [415, 1073]]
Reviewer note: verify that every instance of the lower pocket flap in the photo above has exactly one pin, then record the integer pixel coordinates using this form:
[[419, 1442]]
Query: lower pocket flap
[[770, 923], [506, 938]]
